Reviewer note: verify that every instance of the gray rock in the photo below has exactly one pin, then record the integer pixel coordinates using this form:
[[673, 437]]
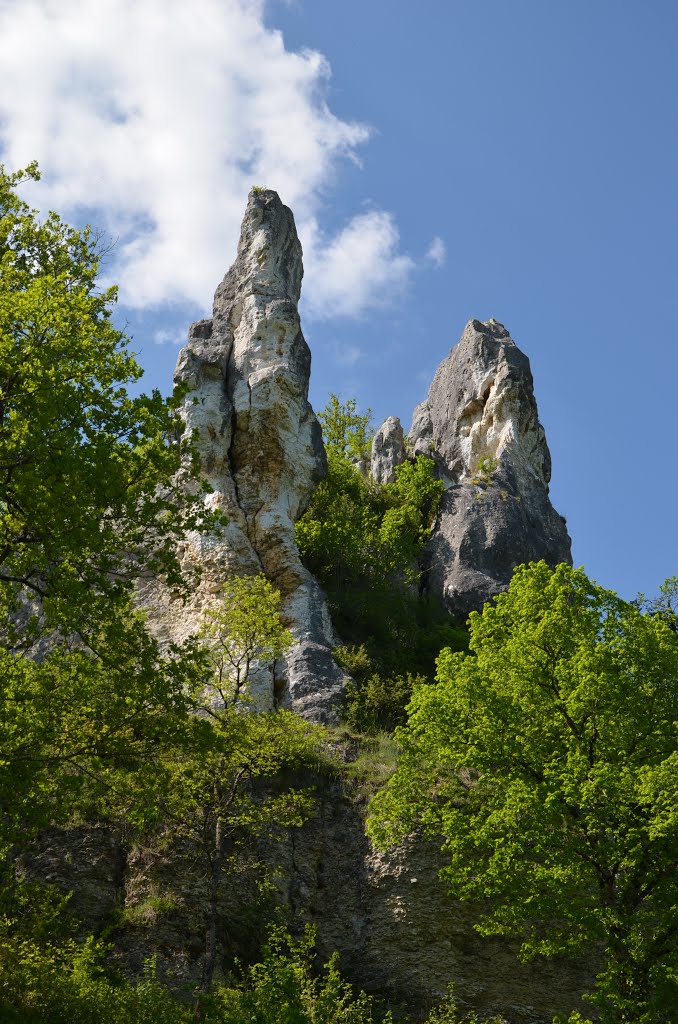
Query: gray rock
[[246, 374], [399, 933], [480, 424], [388, 451]]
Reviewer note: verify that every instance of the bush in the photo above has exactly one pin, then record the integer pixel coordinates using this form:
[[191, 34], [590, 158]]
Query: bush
[[284, 989], [374, 702], [52, 984]]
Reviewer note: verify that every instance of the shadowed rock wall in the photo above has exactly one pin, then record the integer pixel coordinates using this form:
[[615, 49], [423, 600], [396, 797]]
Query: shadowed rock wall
[[399, 934]]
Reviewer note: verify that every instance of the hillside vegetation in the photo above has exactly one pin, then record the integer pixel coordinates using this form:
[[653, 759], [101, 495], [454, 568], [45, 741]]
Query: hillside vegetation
[[541, 746]]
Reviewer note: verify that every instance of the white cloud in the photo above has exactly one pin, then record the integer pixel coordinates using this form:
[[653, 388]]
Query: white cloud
[[347, 355], [167, 337], [436, 252], [360, 269], [156, 117]]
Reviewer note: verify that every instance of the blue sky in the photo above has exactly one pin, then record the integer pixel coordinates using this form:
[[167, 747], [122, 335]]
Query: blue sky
[[445, 160]]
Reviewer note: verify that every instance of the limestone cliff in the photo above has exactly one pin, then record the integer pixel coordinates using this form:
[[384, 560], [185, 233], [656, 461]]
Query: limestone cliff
[[480, 424], [245, 373], [398, 932]]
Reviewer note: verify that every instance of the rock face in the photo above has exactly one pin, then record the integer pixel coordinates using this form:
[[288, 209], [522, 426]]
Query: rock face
[[246, 374], [388, 451], [398, 932], [480, 424]]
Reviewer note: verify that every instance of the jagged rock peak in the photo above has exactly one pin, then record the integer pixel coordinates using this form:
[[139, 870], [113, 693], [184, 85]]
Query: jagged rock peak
[[388, 451], [480, 424], [246, 373]]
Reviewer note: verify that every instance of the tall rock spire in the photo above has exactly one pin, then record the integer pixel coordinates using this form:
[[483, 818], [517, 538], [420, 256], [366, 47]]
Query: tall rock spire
[[246, 374], [480, 424]]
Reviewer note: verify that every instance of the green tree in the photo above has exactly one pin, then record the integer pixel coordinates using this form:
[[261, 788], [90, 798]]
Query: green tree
[[665, 604], [215, 797], [76, 722], [346, 432], [285, 988], [243, 632], [547, 760], [213, 791], [363, 541], [91, 496], [356, 530], [89, 488]]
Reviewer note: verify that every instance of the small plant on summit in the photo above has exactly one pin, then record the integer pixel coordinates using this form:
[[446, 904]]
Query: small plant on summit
[[258, 189]]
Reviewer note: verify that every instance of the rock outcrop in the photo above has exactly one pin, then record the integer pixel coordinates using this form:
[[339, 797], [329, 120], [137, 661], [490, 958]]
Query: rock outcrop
[[246, 373], [388, 451], [398, 932], [480, 424]]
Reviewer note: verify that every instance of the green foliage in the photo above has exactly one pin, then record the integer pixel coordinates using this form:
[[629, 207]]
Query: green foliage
[[77, 722], [72, 981], [52, 983], [484, 470], [373, 766], [354, 529], [665, 605], [89, 498], [284, 989], [244, 630], [401, 630], [374, 702], [363, 541], [210, 786], [547, 760], [147, 911], [80, 460], [346, 432], [209, 792], [447, 1012]]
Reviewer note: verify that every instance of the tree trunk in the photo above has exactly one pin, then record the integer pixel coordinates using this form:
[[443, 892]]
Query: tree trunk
[[211, 913], [211, 918]]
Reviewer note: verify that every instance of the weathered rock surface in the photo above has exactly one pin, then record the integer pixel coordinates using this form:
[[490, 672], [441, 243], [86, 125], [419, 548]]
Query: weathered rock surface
[[246, 373], [388, 451], [399, 934], [480, 424]]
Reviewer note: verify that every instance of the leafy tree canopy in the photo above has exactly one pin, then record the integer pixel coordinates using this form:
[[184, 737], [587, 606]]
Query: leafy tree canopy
[[363, 541], [244, 631], [89, 498], [665, 605], [346, 432], [87, 472], [547, 759]]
